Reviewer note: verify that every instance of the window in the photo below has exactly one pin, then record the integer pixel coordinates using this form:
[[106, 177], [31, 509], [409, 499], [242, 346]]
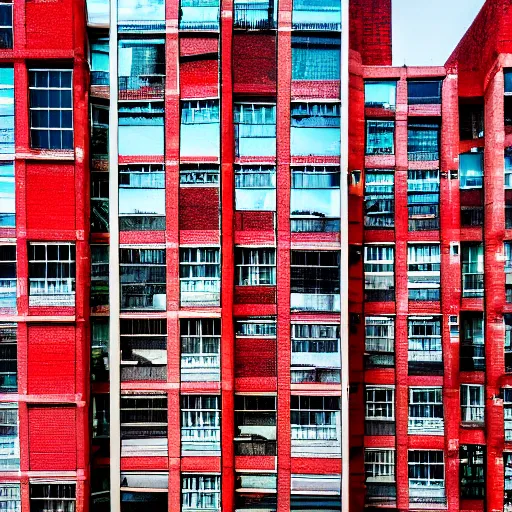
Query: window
[[423, 199], [142, 198], [255, 187], [141, 72], [97, 12], [6, 101], [472, 270], [472, 347], [142, 16], [10, 497], [199, 15], [99, 135], [8, 277], [100, 489], [51, 108], [472, 405], [315, 199], [200, 128], [141, 129], [507, 318], [199, 175], [379, 199], [424, 92], [507, 458], [471, 170], [200, 276], [425, 346], [379, 472], [51, 274], [316, 355], [379, 272], [99, 276], [423, 140], [99, 201], [472, 471], [426, 476], [379, 410], [315, 280], [315, 129], [315, 424], [507, 413], [255, 491], [100, 71], [380, 137], [200, 423], [471, 118], [99, 349], [424, 271], [255, 267], [9, 437], [100, 416], [255, 425], [52, 497], [143, 349], [508, 167], [143, 424], [200, 349], [6, 24], [8, 358], [380, 95], [7, 195], [200, 492], [142, 279], [255, 128], [316, 15], [379, 341], [144, 491], [426, 411], [256, 328], [315, 58]]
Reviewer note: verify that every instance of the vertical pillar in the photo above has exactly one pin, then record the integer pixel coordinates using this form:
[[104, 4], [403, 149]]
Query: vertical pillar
[[227, 254], [113, 275], [284, 77]]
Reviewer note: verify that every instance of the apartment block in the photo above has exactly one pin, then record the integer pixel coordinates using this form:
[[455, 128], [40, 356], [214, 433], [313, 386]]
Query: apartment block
[[248, 264]]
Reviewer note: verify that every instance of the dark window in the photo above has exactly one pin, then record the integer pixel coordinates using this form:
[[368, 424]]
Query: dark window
[[5, 24], [380, 137], [472, 471], [99, 275], [471, 119], [423, 140], [422, 92], [315, 272], [53, 497], [8, 358], [472, 347]]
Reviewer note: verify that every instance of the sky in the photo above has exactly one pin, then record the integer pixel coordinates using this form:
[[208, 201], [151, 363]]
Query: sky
[[425, 32]]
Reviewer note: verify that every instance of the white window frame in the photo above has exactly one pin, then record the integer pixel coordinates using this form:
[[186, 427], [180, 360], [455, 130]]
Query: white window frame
[[250, 261], [201, 359], [472, 413], [202, 424], [418, 352], [379, 410], [380, 462], [428, 423], [198, 487]]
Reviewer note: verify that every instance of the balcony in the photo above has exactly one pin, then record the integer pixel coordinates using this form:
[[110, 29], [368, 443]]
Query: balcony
[[254, 15]]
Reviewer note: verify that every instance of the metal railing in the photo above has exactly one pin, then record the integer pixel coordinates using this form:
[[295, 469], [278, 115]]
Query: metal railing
[[254, 16], [422, 156]]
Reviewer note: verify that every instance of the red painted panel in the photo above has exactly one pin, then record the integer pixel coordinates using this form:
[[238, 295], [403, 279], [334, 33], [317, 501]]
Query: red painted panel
[[255, 357], [52, 438], [199, 208], [254, 63], [254, 221], [199, 78], [255, 294], [323, 466], [51, 359], [40, 15], [50, 196], [198, 46]]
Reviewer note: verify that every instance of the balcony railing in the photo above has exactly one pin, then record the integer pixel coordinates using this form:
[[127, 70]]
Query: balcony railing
[[315, 302], [379, 428], [472, 413], [314, 433], [254, 16], [141, 26], [310, 375], [129, 372], [423, 224], [141, 87], [427, 495], [422, 156], [315, 225], [426, 426], [100, 78], [254, 445], [380, 492], [205, 292], [379, 360]]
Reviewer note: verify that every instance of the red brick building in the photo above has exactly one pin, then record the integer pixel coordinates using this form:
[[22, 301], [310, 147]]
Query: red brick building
[[237, 244]]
